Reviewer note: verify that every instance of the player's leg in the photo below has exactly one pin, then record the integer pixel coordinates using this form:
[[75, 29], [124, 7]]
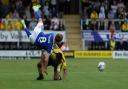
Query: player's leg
[[57, 71], [58, 66], [39, 27], [57, 75], [36, 10], [42, 65], [44, 60], [25, 28], [62, 64], [41, 76], [32, 36], [37, 13]]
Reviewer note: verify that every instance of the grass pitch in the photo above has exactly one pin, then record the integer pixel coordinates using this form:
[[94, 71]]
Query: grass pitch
[[82, 74]]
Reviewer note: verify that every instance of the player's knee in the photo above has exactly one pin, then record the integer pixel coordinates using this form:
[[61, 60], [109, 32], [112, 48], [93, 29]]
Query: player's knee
[[39, 65]]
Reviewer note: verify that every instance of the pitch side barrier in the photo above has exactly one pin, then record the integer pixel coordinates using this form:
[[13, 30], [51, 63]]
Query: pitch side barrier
[[71, 54], [100, 54], [28, 54], [97, 54]]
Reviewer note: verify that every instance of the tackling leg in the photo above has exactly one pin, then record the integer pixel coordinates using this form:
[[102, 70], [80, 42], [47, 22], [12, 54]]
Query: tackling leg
[[42, 65]]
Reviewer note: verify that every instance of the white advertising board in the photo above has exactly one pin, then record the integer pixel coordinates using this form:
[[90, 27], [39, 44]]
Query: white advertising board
[[20, 53], [120, 54], [16, 36]]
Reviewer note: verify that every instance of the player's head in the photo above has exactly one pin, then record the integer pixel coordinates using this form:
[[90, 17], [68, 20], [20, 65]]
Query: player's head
[[58, 38]]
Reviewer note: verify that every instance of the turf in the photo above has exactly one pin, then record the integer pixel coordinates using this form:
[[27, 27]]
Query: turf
[[82, 74]]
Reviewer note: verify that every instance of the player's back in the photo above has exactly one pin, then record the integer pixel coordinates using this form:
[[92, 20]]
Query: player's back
[[45, 41]]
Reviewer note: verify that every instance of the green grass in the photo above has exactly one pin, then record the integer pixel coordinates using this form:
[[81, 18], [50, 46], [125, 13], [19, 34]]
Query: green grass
[[82, 74]]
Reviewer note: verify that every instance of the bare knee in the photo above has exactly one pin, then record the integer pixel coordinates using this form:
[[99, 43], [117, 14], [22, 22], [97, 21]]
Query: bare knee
[[44, 56]]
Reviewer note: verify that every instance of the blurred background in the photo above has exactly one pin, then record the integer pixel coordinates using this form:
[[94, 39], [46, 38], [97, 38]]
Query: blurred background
[[85, 24]]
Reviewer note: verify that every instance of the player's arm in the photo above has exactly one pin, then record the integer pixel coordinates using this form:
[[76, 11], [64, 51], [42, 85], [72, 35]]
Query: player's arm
[[64, 65]]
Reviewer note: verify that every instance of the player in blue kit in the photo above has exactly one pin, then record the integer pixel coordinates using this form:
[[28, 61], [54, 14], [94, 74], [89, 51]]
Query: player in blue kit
[[37, 37], [46, 41]]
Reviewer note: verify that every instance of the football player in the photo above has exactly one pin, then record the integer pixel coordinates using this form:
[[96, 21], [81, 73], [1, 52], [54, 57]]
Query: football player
[[46, 41], [57, 60]]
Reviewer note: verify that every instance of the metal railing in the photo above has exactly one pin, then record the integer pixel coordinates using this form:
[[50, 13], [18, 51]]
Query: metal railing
[[97, 24], [15, 24], [87, 26]]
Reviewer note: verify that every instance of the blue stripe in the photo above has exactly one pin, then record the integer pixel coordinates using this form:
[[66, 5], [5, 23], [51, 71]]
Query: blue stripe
[[97, 37]]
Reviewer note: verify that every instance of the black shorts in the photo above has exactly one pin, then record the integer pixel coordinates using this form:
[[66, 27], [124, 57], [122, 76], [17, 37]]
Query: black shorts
[[55, 62]]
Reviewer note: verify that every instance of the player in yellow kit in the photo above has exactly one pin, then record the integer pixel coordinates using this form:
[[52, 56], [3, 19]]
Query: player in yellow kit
[[57, 60]]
